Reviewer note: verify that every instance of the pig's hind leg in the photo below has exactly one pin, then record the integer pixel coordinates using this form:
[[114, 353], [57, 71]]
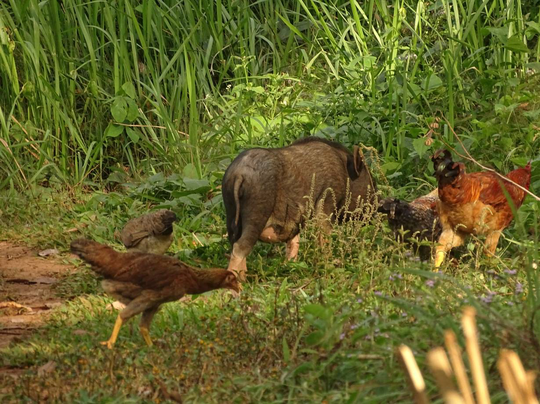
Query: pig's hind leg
[[252, 226], [293, 246]]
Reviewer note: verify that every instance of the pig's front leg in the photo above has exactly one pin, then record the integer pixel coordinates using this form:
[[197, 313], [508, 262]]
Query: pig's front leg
[[293, 245], [237, 264]]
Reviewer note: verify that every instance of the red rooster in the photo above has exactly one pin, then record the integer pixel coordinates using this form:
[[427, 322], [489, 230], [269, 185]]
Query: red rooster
[[474, 203]]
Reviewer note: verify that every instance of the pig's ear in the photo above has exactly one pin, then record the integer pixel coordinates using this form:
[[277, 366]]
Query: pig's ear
[[356, 164]]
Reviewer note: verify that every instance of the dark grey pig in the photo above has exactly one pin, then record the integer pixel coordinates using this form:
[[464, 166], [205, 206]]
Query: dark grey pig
[[267, 192]]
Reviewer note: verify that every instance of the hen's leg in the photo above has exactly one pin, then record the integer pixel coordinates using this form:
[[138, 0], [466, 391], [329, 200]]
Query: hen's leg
[[293, 245], [135, 307], [447, 241], [144, 326], [492, 240], [110, 342]]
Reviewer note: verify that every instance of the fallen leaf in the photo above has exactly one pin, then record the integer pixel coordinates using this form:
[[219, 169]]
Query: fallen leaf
[[47, 368], [47, 252]]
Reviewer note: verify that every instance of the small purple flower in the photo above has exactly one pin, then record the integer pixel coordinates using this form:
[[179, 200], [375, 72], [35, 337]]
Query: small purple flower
[[404, 314], [510, 271], [342, 336], [355, 326], [377, 293], [395, 276], [486, 299], [510, 303], [430, 283], [519, 288], [493, 273], [359, 300]]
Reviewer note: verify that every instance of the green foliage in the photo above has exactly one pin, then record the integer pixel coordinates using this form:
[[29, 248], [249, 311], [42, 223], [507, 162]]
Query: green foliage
[[89, 88]]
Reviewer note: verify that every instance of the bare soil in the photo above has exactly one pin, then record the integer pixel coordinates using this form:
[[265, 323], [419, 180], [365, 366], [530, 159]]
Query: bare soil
[[26, 290]]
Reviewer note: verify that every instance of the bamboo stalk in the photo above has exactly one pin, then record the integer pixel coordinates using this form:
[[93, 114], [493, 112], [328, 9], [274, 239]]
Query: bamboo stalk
[[459, 367], [416, 381], [531, 394], [441, 369], [508, 380], [468, 323]]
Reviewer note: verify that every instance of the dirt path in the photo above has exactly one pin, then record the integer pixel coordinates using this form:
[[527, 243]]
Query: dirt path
[[26, 290]]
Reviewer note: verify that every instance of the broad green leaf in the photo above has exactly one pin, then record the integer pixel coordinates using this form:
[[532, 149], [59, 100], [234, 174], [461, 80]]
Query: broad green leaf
[[316, 310], [257, 89], [500, 33], [113, 130], [132, 134], [129, 89], [390, 166], [119, 109], [314, 338], [192, 184], [420, 146], [190, 172], [132, 110], [432, 82], [516, 44], [520, 161]]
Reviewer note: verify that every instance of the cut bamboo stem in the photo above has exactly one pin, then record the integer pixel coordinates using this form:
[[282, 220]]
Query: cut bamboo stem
[[456, 360], [531, 394], [509, 383], [416, 381], [441, 369], [468, 323]]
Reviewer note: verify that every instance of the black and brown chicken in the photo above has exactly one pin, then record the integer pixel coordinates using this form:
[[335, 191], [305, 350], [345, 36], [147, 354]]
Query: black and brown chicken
[[143, 282], [415, 221], [150, 233]]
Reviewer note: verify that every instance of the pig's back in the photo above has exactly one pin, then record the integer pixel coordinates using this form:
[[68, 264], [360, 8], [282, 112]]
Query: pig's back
[[319, 160], [255, 167]]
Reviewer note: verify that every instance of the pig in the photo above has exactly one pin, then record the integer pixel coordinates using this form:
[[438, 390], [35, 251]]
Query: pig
[[266, 193]]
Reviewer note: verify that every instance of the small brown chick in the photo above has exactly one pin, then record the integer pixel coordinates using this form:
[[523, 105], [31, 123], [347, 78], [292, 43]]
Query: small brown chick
[[150, 233], [143, 282]]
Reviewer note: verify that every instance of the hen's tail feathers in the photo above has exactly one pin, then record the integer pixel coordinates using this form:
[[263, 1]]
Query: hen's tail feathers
[[104, 260]]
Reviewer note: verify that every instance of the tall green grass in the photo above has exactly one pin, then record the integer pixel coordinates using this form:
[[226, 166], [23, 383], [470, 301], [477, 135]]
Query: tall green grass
[[89, 87]]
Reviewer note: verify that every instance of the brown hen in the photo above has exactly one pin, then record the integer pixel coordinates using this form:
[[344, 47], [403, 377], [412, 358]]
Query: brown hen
[[143, 282], [474, 203], [150, 233]]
